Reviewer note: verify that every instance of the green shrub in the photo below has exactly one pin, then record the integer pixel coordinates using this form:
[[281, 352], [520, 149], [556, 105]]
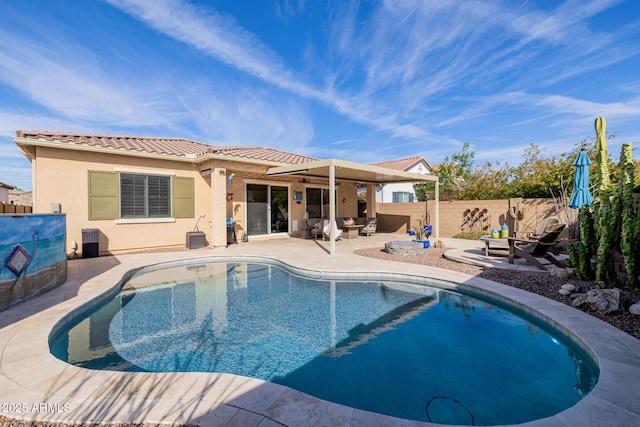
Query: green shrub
[[470, 235]]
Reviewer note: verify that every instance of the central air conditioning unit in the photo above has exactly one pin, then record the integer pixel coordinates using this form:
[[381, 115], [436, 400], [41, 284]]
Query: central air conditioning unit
[[196, 239]]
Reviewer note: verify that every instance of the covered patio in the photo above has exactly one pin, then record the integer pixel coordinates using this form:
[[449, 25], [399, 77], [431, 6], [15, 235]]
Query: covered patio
[[341, 170]]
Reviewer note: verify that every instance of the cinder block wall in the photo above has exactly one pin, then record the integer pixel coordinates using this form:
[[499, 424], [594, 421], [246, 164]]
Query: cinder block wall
[[457, 216]]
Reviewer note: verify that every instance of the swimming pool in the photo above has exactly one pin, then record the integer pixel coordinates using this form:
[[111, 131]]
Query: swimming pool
[[399, 348]]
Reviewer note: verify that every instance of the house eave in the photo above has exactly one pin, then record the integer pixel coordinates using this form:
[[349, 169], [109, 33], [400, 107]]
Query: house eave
[[23, 143]]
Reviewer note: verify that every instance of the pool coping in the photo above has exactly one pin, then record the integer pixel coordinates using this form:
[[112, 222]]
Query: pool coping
[[45, 388]]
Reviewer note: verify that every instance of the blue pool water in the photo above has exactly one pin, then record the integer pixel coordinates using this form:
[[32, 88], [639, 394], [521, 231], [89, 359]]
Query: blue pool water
[[402, 349]]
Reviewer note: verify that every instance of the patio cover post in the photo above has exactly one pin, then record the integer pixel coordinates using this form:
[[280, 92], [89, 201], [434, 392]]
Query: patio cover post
[[332, 208], [218, 207], [437, 197]]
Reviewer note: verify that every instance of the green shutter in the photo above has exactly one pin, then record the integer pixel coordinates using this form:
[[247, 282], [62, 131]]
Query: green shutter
[[183, 198], [103, 195]]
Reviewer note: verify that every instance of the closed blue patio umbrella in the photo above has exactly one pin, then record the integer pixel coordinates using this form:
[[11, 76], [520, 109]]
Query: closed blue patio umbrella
[[581, 195]]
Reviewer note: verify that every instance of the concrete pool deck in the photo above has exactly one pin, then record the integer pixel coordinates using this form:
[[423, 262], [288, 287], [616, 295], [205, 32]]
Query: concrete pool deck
[[34, 385]]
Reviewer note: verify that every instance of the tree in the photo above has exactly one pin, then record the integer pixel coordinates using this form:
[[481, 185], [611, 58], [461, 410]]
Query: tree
[[485, 182], [453, 174], [537, 176]]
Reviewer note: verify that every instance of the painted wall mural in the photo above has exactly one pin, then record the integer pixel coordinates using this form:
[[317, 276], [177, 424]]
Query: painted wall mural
[[33, 256]]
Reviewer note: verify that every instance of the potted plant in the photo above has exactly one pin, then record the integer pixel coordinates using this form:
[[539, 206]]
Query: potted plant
[[422, 233]]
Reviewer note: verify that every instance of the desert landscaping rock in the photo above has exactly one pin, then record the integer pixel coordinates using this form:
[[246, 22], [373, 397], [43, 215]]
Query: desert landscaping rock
[[635, 309], [560, 273], [603, 300], [564, 291], [569, 287]]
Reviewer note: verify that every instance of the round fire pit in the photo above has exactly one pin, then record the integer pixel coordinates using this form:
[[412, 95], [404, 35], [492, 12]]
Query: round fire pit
[[403, 248]]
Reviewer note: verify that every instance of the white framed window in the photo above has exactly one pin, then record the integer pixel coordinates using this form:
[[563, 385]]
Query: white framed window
[[402, 197], [145, 196], [137, 197]]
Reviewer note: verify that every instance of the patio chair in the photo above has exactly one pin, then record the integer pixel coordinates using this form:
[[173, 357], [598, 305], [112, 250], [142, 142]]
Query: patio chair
[[326, 230], [532, 249], [315, 229], [545, 225], [370, 227]]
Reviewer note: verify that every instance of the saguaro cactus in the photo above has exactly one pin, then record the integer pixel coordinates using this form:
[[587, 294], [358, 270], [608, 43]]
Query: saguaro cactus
[[587, 233], [580, 260], [602, 153], [606, 237], [615, 223], [637, 231], [628, 232], [604, 221], [582, 251]]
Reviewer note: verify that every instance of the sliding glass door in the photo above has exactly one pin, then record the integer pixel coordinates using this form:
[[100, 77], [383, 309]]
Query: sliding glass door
[[318, 202], [257, 209], [267, 209], [279, 209]]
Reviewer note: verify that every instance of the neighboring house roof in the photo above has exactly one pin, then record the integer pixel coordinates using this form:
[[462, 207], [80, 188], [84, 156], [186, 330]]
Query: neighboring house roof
[[21, 197], [163, 146], [7, 186], [402, 164], [437, 166]]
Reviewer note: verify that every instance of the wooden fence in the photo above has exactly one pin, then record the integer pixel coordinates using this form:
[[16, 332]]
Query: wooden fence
[[10, 208]]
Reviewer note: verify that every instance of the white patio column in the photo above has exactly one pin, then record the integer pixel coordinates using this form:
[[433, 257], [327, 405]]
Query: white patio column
[[437, 197], [332, 209], [218, 207]]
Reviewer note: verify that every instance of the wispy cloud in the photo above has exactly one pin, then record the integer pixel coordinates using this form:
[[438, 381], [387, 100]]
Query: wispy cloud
[[71, 84], [550, 106], [220, 37], [11, 121], [15, 169], [232, 114], [415, 76], [69, 81], [216, 35], [423, 53], [560, 104], [401, 71]]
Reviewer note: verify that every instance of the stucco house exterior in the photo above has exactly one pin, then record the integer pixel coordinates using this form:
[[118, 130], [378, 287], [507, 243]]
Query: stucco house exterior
[[20, 197], [4, 192], [401, 192], [149, 192]]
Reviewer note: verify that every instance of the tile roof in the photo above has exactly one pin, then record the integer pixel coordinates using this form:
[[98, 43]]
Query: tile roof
[[263, 153], [166, 146], [402, 164], [437, 166], [7, 186]]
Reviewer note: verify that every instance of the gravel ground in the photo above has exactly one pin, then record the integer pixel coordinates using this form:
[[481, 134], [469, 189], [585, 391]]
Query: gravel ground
[[539, 283]]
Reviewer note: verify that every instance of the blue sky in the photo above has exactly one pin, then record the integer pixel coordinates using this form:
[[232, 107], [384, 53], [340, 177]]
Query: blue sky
[[365, 81]]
